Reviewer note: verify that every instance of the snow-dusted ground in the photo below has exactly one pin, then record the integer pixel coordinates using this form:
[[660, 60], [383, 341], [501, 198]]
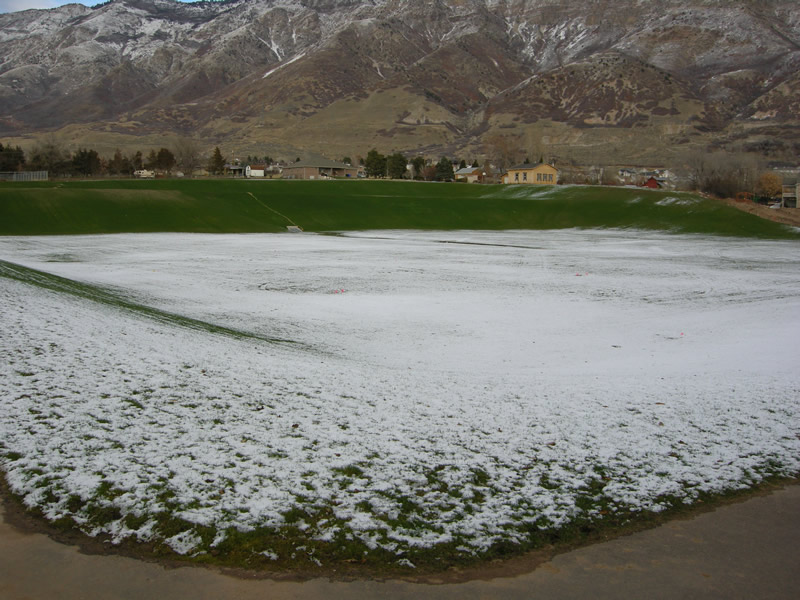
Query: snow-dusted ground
[[445, 387]]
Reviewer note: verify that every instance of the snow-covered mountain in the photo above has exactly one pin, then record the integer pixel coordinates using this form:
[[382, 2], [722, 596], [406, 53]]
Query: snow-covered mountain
[[339, 76]]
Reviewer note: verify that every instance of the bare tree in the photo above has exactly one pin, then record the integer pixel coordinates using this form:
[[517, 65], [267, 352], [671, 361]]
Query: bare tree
[[722, 174], [503, 150], [534, 148], [187, 155], [50, 154]]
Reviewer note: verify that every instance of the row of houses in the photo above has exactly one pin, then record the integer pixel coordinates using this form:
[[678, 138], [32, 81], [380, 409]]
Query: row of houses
[[547, 174], [319, 169], [537, 174], [541, 173], [534, 174], [639, 176]]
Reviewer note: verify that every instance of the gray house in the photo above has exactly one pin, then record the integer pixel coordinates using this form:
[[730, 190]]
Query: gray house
[[319, 169], [789, 194]]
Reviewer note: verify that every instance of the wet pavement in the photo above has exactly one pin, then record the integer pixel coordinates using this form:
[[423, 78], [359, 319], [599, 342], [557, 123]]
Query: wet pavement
[[743, 550]]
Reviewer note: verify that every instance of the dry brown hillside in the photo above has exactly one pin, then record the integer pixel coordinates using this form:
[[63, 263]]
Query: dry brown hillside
[[624, 80]]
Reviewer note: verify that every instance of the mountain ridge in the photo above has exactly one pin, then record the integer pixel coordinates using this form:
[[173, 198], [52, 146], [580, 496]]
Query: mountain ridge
[[449, 76]]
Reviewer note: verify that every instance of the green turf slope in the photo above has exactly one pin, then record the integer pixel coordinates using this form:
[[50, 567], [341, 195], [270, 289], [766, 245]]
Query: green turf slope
[[238, 206]]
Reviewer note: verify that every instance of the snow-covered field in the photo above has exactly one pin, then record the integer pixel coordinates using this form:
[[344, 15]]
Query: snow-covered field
[[443, 387]]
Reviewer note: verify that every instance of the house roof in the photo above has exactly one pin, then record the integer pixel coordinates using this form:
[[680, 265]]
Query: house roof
[[528, 166], [467, 170], [320, 164]]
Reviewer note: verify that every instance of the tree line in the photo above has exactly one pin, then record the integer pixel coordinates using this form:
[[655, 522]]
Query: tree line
[[184, 155], [396, 166], [725, 175], [54, 158]]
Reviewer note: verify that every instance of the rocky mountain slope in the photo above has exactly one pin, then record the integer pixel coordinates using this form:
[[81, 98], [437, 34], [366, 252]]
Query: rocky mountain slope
[[636, 79]]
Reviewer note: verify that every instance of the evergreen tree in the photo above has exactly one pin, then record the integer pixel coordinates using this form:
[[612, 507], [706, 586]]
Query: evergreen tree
[[217, 164], [444, 170], [151, 162], [127, 167], [11, 159], [418, 165], [165, 160], [86, 162], [396, 166], [136, 161], [375, 164], [462, 164], [116, 166]]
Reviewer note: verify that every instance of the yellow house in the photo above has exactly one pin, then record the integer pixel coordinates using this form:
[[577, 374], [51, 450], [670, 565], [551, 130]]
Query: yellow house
[[539, 174]]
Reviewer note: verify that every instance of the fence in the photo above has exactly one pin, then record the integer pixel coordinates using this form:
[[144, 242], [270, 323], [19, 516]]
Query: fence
[[23, 176]]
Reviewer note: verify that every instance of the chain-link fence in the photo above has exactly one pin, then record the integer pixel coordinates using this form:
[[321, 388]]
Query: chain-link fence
[[23, 176]]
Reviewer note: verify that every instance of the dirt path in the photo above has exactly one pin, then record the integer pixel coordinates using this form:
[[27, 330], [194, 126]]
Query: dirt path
[[741, 550], [787, 216]]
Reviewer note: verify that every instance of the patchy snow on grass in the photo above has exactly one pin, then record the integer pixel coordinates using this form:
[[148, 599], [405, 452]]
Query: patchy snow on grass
[[461, 388], [670, 200]]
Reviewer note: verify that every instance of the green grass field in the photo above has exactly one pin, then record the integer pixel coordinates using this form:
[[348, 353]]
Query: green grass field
[[239, 206]]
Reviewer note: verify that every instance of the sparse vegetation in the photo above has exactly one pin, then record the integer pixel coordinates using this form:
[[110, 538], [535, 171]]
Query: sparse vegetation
[[723, 174]]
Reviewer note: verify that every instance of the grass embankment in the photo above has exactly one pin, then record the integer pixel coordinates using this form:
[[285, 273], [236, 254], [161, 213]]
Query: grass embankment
[[106, 297], [227, 206]]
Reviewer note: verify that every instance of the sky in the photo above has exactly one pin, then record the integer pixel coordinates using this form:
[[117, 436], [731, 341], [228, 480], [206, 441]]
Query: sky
[[15, 5]]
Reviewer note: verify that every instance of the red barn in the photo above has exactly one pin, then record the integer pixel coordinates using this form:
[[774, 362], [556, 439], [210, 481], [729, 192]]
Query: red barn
[[652, 183]]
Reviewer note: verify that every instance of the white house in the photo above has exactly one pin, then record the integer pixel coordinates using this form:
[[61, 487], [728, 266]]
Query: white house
[[255, 170]]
